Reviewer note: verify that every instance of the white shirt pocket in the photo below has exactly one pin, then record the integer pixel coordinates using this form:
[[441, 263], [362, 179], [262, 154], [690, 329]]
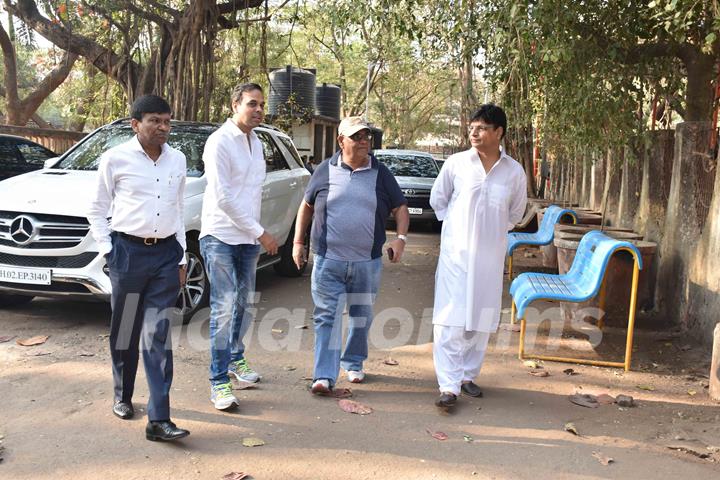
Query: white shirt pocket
[[499, 196]]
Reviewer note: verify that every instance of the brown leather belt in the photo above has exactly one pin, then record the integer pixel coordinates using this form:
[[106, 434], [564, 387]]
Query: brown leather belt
[[145, 241]]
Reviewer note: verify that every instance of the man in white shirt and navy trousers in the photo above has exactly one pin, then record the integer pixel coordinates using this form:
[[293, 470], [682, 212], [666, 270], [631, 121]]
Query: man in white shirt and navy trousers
[[136, 218]]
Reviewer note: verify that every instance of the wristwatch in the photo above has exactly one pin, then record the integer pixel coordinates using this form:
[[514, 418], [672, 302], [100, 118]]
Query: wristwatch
[[402, 237]]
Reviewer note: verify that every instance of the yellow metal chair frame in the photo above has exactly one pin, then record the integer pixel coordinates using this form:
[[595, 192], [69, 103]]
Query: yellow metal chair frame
[[522, 355]]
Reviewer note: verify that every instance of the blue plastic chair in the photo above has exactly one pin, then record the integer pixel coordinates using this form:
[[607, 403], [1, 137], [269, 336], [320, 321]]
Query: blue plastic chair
[[544, 235], [582, 282]]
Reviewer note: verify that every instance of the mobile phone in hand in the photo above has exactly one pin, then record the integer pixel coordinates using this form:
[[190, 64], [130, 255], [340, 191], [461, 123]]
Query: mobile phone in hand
[[391, 253]]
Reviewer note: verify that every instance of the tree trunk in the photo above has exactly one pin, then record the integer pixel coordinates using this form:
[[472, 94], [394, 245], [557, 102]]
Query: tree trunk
[[701, 71], [20, 111]]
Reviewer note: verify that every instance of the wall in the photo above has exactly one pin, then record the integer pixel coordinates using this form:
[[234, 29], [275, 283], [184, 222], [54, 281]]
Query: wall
[[687, 287]]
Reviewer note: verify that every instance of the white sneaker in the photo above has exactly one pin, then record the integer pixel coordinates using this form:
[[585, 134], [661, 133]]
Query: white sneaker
[[356, 376], [321, 387], [242, 372], [221, 396]]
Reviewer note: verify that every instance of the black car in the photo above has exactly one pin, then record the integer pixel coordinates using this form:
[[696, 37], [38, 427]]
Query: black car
[[20, 155], [415, 173]]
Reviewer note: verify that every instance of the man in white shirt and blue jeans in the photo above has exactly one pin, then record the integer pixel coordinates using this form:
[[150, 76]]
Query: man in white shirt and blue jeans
[[231, 236], [140, 186]]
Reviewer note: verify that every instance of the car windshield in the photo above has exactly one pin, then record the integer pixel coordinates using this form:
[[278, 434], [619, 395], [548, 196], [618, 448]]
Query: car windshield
[[409, 165], [189, 139]]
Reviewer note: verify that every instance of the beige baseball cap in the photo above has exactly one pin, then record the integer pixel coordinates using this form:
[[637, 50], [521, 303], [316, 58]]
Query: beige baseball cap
[[352, 125]]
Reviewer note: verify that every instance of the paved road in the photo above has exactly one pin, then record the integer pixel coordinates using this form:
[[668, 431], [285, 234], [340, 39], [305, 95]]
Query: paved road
[[56, 423]]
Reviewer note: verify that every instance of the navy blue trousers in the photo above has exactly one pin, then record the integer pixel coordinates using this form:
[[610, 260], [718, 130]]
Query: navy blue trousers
[[145, 285]]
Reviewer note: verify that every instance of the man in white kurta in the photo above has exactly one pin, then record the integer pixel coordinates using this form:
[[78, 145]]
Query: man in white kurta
[[480, 194]]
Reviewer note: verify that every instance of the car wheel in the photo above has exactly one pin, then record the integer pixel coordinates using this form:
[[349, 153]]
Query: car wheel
[[286, 266], [194, 295], [14, 300]]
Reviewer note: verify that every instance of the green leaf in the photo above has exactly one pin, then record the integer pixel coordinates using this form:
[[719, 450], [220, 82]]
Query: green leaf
[[710, 37]]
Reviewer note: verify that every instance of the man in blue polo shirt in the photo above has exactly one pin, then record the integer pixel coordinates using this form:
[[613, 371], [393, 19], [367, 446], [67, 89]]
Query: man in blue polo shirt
[[350, 196]]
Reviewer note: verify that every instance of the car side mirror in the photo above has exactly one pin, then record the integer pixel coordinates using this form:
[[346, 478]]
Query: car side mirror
[[50, 162]]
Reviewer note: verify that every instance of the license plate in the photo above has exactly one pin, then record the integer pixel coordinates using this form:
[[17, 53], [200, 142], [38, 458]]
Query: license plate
[[35, 276], [415, 211]]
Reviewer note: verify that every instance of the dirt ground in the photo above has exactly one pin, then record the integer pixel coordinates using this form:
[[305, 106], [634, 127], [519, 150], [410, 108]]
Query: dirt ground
[[56, 420]]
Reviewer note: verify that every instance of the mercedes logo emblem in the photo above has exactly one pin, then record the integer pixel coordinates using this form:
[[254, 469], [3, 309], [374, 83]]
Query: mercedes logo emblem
[[22, 230]]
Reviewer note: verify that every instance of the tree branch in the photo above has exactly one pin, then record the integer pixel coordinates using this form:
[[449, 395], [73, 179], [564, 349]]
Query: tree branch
[[176, 14], [104, 59], [234, 6], [48, 84], [150, 16]]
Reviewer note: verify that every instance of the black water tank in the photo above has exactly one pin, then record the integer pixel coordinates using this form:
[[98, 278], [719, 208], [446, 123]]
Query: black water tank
[[327, 100], [291, 81]]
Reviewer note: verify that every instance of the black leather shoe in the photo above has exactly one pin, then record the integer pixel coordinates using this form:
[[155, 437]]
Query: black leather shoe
[[471, 389], [123, 410], [446, 400], [164, 432]]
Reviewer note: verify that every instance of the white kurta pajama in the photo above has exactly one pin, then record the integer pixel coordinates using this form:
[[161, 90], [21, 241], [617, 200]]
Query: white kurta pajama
[[478, 208]]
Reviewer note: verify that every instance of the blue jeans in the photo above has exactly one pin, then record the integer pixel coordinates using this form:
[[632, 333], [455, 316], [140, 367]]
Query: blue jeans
[[231, 272], [336, 284]]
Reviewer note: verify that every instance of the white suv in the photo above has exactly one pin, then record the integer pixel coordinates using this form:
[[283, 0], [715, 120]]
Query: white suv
[[45, 245]]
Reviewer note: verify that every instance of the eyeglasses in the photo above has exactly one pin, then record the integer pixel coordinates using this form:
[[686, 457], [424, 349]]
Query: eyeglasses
[[482, 128], [360, 136]]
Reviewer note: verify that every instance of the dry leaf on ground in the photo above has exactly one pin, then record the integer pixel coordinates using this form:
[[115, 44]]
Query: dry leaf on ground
[[29, 342], [690, 448], [539, 373], [584, 400], [468, 438], [692, 393], [603, 459], [351, 406], [570, 371], [531, 364], [253, 442], [289, 368], [235, 476], [605, 399], [390, 361], [6, 338], [570, 427], [649, 388], [437, 435]]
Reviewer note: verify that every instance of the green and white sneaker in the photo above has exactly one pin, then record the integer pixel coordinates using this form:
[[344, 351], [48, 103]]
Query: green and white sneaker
[[242, 372], [222, 397]]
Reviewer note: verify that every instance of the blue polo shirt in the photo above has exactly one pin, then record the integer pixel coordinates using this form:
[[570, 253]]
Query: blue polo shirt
[[351, 207]]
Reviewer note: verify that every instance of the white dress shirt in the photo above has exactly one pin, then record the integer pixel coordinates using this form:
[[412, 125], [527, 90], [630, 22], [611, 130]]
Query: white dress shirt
[[235, 176], [144, 197]]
